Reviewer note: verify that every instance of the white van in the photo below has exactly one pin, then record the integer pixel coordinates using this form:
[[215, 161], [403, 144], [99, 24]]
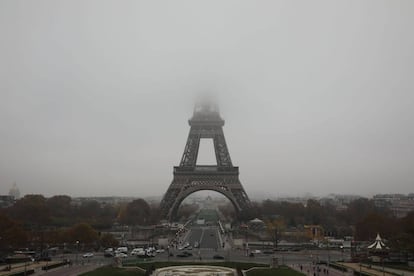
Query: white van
[[138, 251], [122, 249]]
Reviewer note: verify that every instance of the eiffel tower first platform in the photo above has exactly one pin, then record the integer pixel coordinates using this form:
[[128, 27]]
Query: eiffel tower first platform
[[189, 177]]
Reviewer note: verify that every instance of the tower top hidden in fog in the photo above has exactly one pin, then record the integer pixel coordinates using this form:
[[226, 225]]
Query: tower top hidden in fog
[[206, 111]]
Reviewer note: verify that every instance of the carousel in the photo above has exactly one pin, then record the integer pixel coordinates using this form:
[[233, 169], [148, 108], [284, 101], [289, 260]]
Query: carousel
[[377, 250]]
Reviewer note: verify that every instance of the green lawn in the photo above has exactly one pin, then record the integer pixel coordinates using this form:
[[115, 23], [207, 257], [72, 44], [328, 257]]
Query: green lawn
[[282, 271], [112, 271]]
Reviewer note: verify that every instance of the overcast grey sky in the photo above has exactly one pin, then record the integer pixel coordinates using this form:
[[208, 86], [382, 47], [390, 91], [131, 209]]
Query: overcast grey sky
[[317, 95]]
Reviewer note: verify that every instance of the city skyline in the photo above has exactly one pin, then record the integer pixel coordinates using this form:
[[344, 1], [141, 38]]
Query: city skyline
[[317, 98]]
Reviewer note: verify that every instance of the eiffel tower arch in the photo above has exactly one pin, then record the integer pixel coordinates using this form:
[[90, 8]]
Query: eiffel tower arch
[[190, 177]]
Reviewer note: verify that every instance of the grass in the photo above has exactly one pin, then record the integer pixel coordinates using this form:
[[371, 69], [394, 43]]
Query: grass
[[282, 271], [112, 271]]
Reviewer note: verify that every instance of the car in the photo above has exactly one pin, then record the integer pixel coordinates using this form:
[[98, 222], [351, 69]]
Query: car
[[137, 251], [43, 258], [182, 255], [108, 254], [88, 255], [122, 249], [257, 251], [185, 254], [160, 251], [218, 257], [251, 254], [121, 255]]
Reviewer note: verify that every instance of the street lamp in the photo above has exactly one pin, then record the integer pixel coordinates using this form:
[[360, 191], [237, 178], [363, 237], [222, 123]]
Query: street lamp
[[77, 251]]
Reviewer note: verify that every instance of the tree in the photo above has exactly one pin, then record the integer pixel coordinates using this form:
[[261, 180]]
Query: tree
[[61, 210], [314, 212], [32, 210], [106, 217], [89, 209], [358, 209], [82, 232], [374, 223], [12, 235], [186, 210], [108, 240], [60, 205], [275, 227], [136, 212]]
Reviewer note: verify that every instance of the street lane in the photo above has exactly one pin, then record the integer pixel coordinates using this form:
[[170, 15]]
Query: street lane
[[194, 236], [210, 238], [207, 237]]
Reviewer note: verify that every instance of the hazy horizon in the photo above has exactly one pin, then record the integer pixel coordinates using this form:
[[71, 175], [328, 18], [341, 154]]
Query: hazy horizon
[[317, 96]]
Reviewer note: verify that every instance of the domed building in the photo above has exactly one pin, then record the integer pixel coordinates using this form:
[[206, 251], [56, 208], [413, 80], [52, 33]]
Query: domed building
[[14, 191]]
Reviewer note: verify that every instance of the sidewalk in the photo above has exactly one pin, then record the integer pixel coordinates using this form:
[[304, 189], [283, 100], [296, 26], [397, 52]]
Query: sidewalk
[[22, 267], [377, 270], [73, 270], [311, 270]]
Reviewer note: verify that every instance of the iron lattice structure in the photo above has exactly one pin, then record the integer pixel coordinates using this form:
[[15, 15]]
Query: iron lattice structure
[[189, 177]]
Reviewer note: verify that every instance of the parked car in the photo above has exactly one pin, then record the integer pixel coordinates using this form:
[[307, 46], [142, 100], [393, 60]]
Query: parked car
[[188, 253], [184, 254], [138, 251], [88, 255], [218, 257], [121, 255]]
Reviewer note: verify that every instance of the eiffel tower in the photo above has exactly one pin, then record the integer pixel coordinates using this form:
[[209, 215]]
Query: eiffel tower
[[189, 177]]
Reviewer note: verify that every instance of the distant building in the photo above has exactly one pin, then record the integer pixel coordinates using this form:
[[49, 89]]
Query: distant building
[[314, 232], [111, 200], [14, 191], [399, 204], [339, 202], [6, 201]]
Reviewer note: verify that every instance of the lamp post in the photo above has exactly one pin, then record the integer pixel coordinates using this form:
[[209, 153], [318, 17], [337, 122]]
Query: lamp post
[[77, 251]]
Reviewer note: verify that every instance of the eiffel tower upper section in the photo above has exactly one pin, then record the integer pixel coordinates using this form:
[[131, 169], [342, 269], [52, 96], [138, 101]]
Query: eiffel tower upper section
[[206, 123]]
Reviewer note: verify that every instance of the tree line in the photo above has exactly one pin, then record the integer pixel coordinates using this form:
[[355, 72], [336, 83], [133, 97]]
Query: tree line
[[37, 220], [361, 219]]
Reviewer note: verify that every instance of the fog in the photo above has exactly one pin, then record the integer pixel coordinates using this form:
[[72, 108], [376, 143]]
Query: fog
[[317, 95]]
